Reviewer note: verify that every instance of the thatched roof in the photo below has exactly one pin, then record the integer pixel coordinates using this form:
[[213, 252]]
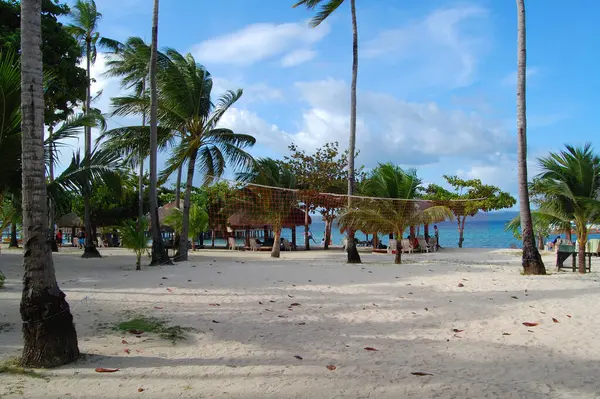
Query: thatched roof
[[69, 220], [244, 220], [163, 212]]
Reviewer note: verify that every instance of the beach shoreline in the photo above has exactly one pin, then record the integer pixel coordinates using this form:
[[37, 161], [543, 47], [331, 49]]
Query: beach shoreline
[[456, 314]]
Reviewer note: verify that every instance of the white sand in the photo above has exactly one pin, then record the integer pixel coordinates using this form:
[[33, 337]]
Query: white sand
[[407, 312]]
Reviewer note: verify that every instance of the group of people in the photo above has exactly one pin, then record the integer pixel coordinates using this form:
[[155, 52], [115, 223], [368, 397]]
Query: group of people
[[78, 240]]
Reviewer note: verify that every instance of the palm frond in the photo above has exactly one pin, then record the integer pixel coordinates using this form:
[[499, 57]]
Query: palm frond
[[327, 8]]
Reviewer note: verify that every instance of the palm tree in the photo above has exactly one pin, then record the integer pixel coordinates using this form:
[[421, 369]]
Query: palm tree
[[133, 236], [570, 181], [198, 221], [327, 8], [395, 214], [532, 261], [266, 204], [132, 65], [159, 254], [49, 334], [184, 105], [84, 28]]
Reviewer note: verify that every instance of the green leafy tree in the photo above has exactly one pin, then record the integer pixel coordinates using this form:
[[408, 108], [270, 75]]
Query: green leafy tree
[[198, 222], [324, 171], [84, 28], [328, 7], [473, 196], [60, 54], [265, 204], [570, 182], [133, 236], [393, 215]]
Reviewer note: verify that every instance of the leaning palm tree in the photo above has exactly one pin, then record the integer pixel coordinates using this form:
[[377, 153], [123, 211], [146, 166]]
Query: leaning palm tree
[[327, 8], [84, 28], [570, 181], [394, 206], [48, 331], [531, 260], [184, 105], [270, 198]]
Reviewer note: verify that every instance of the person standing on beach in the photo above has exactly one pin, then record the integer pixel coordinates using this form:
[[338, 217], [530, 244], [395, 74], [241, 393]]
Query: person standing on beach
[[436, 232], [81, 238]]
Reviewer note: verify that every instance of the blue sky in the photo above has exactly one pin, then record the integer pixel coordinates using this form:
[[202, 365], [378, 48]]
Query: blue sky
[[436, 78]]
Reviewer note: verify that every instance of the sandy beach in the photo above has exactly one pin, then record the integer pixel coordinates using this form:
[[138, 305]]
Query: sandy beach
[[265, 328]]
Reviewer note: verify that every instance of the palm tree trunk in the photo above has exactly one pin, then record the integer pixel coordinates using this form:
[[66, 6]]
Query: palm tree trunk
[[461, 230], [531, 260], [14, 243], [178, 187], [178, 201], [398, 258], [159, 255], [141, 181], [582, 241], [48, 331], [52, 238], [183, 239], [353, 256], [306, 240], [276, 249], [327, 233]]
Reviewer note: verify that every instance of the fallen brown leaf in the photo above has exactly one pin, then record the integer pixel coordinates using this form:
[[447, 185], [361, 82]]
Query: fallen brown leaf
[[295, 304], [140, 389], [214, 304], [127, 351], [298, 357], [217, 322], [103, 370], [420, 373], [331, 367], [529, 324], [461, 285], [124, 342], [456, 330], [136, 332], [569, 316], [554, 320], [157, 307], [505, 333], [368, 348]]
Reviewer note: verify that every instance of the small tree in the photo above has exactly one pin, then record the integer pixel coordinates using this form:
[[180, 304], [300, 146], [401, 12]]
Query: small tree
[[198, 222], [133, 236], [474, 196], [324, 171], [271, 206]]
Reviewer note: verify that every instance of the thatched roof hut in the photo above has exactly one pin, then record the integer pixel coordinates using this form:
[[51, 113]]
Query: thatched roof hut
[[69, 220]]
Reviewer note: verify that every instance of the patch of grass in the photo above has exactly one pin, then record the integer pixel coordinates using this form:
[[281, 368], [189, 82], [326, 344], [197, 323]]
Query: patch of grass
[[12, 366], [157, 326]]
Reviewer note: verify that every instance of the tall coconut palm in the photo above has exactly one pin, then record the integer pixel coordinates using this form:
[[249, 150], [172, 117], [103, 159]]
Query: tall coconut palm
[[327, 8], [48, 331], [159, 253], [132, 65], [84, 28], [570, 181], [531, 260], [184, 105], [265, 204], [396, 214]]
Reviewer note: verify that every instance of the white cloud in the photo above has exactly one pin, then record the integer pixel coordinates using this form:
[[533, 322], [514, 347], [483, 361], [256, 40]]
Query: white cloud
[[257, 92], [388, 129], [298, 57], [292, 42], [440, 50], [511, 78]]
